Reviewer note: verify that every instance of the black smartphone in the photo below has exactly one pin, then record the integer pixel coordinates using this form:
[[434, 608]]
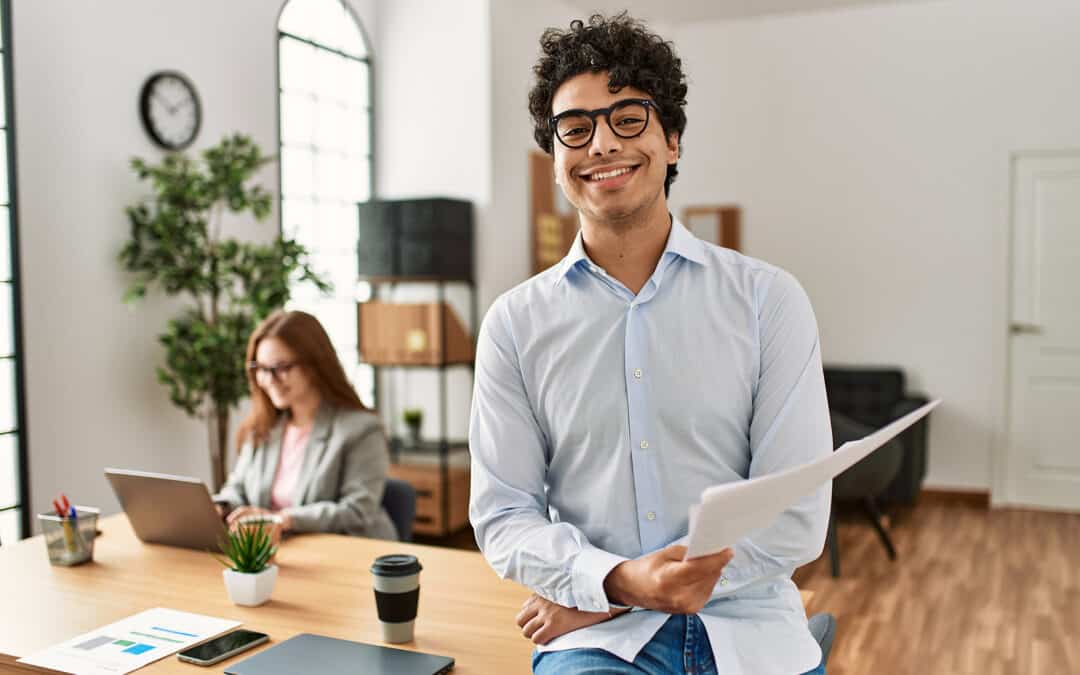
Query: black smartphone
[[222, 647]]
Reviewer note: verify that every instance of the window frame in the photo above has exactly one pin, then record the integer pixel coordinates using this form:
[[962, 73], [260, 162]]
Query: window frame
[[369, 61], [18, 355]]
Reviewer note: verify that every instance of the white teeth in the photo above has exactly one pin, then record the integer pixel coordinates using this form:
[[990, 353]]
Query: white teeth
[[604, 175]]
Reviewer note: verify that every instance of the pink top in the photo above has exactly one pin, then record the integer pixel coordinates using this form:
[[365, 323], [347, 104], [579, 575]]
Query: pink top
[[293, 443]]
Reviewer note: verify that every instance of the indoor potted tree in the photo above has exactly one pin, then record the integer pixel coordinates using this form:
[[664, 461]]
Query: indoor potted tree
[[176, 241], [250, 577]]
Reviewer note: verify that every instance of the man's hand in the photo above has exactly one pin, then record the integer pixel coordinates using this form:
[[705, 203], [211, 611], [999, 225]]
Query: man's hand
[[665, 582], [542, 621]]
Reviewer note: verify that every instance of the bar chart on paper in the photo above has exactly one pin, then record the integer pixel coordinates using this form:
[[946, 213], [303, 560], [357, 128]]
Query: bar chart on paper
[[131, 643]]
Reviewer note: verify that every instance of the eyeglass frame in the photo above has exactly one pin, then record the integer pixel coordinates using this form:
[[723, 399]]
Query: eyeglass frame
[[277, 372], [647, 103]]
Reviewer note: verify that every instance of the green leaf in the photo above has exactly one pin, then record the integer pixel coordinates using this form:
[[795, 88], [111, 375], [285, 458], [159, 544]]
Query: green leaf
[[248, 548], [174, 247]]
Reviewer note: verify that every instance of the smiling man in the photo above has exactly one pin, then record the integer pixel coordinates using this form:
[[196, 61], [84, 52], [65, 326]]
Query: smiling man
[[614, 387]]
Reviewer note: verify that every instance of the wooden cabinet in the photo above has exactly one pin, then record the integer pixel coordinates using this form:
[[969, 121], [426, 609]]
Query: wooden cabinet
[[431, 517]]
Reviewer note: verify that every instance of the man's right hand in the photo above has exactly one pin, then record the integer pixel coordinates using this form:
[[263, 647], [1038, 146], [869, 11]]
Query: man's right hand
[[665, 582]]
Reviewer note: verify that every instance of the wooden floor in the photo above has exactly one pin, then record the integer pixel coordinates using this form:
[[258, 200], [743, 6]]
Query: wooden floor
[[973, 590]]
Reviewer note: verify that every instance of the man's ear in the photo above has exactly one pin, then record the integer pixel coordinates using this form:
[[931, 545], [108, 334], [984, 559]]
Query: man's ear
[[673, 147]]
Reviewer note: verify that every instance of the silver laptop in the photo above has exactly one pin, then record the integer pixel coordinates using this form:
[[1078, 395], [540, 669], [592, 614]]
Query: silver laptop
[[171, 510]]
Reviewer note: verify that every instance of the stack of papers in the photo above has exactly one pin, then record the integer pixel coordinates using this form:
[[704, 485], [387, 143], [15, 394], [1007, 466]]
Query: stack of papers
[[729, 512], [130, 643]]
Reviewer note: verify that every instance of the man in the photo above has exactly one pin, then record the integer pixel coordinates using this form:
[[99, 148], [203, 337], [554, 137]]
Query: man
[[614, 387]]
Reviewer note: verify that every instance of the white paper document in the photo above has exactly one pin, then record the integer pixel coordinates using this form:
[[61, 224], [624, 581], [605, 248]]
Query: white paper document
[[130, 643], [731, 511]]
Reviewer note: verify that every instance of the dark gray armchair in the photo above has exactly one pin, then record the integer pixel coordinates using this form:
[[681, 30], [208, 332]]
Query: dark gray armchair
[[862, 400]]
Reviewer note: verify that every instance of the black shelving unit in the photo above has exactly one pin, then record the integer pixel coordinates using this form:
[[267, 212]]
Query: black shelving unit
[[443, 444], [427, 241]]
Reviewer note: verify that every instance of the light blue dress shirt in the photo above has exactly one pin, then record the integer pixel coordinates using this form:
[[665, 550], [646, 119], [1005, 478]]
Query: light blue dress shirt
[[599, 417]]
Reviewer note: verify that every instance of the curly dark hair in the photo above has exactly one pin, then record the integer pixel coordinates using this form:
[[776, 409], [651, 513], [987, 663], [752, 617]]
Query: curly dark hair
[[631, 55]]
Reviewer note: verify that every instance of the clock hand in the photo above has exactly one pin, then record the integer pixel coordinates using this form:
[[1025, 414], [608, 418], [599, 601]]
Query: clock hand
[[163, 101]]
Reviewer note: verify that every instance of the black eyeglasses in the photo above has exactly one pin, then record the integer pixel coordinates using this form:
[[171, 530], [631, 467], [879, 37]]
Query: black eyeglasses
[[276, 372], [626, 118]]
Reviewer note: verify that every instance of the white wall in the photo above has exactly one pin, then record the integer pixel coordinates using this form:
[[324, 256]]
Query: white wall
[[506, 247], [870, 149], [92, 397]]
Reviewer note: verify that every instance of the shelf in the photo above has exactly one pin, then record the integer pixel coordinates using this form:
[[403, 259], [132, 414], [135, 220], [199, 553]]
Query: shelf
[[442, 500], [385, 279], [427, 447], [424, 336], [448, 364]]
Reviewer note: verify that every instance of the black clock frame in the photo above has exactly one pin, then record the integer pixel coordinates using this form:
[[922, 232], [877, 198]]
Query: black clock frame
[[144, 108]]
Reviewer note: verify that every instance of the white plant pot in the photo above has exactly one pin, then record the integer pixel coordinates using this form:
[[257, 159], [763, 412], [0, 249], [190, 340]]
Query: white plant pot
[[250, 590]]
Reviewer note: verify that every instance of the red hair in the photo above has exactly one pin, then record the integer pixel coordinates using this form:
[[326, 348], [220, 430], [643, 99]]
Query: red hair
[[305, 336]]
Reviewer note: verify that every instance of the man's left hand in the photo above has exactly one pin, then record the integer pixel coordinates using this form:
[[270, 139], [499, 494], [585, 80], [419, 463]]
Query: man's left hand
[[542, 621]]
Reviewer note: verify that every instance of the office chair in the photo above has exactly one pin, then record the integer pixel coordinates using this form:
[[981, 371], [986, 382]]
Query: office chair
[[874, 397], [823, 628], [399, 500]]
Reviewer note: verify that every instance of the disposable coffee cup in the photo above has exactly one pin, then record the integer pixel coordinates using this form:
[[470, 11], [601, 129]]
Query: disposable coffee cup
[[397, 595]]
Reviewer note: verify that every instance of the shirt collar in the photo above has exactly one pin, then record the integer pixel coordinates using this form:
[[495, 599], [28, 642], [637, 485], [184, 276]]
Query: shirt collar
[[680, 242]]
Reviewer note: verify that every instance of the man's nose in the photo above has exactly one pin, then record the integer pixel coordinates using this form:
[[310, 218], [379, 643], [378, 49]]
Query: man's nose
[[604, 140]]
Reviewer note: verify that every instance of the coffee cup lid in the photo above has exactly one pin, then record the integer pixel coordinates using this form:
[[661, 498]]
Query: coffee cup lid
[[396, 565]]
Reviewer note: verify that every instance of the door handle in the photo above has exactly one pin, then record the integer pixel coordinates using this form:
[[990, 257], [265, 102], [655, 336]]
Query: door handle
[[1021, 328]]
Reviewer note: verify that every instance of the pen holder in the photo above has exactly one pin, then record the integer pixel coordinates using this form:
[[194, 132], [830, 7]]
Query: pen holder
[[70, 541]]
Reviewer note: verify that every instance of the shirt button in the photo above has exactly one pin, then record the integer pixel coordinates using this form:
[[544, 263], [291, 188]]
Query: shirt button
[[723, 581], [644, 445], [637, 373], [650, 515]]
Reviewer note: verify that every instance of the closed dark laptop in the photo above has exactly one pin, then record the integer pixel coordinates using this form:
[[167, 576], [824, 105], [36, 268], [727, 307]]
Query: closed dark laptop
[[317, 655]]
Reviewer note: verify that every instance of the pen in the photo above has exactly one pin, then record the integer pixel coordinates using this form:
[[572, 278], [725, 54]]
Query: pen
[[66, 511]]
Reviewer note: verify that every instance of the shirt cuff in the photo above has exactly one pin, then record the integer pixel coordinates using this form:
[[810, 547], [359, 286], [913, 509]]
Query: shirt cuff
[[591, 567]]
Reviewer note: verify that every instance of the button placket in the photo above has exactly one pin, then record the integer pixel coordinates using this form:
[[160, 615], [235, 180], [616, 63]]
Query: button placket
[[642, 435]]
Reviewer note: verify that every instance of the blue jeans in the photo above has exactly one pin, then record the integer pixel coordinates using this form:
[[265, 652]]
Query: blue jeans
[[680, 646]]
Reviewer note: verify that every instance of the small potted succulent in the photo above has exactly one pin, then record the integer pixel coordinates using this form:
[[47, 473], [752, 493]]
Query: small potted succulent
[[413, 418], [250, 576]]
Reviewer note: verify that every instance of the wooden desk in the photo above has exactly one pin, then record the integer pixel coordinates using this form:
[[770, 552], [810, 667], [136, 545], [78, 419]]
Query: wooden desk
[[324, 587]]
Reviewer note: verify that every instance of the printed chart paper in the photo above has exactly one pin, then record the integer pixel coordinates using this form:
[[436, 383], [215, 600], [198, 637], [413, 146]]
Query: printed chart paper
[[130, 643], [731, 511]]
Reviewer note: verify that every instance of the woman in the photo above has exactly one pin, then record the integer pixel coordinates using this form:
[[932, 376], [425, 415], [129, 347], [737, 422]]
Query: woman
[[311, 452]]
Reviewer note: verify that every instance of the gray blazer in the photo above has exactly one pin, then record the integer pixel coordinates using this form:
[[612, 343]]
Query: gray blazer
[[340, 487]]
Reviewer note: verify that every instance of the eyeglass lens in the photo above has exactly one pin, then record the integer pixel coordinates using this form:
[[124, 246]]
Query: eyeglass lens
[[275, 372], [627, 119]]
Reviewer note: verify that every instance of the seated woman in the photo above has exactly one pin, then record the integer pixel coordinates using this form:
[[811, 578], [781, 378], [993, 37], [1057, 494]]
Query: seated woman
[[311, 452]]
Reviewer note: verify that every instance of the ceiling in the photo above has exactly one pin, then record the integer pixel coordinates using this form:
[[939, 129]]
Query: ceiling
[[685, 11]]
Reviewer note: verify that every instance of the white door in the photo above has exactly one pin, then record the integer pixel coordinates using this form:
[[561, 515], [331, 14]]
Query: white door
[[1043, 465]]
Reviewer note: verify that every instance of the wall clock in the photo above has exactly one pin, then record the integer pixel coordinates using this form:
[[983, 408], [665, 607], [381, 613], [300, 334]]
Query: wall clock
[[170, 110]]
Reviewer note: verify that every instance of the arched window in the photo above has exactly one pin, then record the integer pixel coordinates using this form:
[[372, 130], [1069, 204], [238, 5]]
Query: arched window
[[325, 123]]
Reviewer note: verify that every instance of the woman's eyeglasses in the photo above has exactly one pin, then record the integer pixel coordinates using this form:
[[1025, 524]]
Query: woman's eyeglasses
[[276, 372], [626, 118]]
